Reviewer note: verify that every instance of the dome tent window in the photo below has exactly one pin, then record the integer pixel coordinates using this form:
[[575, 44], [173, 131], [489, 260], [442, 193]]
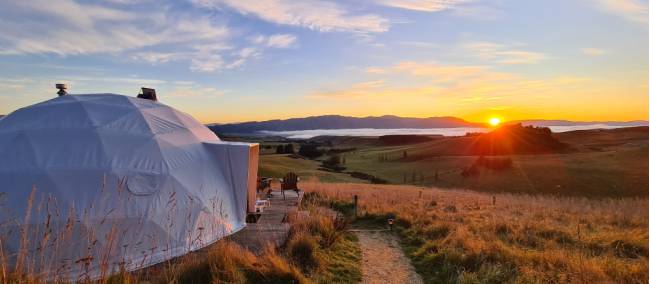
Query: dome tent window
[[143, 184]]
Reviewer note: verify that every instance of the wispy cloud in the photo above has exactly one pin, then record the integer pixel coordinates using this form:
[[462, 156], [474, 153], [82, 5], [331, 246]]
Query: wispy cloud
[[316, 15], [480, 12], [130, 80], [502, 54], [632, 10], [469, 84], [592, 51], [418, 44], [465, 8], [276, 40], [154, 57], [423, 5], [376, 70], [151, 34], [371, 89], [71, 28], [44, 86], [194, 91]]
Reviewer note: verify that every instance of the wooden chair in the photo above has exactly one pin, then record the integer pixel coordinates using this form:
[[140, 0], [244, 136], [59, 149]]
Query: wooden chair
[[263, 186], [289, 182]]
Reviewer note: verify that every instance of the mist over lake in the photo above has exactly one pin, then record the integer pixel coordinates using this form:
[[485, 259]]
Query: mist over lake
[[456, 131]]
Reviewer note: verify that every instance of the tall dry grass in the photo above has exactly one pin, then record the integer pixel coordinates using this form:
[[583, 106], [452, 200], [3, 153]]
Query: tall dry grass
[[225, 262], [315, 249], [468, 237], [57, 243]]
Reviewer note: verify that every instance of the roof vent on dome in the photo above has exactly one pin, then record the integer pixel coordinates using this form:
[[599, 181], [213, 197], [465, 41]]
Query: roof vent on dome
[[62, 89], [148, 94]]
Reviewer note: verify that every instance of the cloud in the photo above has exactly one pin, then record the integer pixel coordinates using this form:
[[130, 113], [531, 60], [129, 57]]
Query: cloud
[[276, 40], [592, 51], [376, 70], [208, 63], [316, 15], [519, 57], [9, 85], [502, 54], [157, 57], [132, 80], [480, 12], [244, 55], [281, 41], [423, 5], [145, 33], [418, 44], [464, 8], [462, 83], [371, 89], [440, 71], [71, 28], [44, 86], [632, 10], [26, 91], [442, 74], [194, 91]]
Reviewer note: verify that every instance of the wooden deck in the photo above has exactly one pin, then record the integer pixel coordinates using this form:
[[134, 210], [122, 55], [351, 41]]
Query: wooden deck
[[271, 227]]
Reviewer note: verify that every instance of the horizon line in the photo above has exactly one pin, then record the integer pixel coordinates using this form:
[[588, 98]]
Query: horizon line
[[427, 117]]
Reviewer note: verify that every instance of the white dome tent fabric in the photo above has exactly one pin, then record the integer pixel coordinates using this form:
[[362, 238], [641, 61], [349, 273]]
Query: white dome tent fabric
[[90, 184]]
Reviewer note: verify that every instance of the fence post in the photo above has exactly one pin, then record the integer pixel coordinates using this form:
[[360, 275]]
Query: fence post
[[356, 203]]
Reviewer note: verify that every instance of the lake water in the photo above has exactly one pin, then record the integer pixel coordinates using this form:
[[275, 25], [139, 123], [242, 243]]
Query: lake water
[[460, 131]]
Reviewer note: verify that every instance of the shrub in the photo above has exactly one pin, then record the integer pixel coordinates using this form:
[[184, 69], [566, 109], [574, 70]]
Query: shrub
[[371, 178], [302, 249], [288, 149], [310, 151], [333, 162]]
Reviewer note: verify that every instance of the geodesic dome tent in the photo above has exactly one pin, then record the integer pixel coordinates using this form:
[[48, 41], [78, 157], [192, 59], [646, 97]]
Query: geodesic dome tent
[[94, 183]]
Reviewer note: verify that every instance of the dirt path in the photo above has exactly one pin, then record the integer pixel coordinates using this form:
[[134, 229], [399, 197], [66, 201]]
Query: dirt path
[[383, 259]]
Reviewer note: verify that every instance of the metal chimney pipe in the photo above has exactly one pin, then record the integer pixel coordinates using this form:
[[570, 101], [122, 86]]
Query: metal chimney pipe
[[148, 94], [62, 89]]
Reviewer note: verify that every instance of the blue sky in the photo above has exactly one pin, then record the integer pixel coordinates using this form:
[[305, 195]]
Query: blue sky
[[229, 60]]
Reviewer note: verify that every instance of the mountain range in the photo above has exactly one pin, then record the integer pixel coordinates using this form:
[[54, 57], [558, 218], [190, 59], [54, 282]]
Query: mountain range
[[341, 122], [379, 122], [555, 122]]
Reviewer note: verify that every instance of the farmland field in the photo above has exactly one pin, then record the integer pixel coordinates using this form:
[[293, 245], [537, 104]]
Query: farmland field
[[600, 163]]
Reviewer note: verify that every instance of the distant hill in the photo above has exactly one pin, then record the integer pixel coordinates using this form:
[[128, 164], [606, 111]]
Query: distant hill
[[556, 122], [517, 139], [342, 122]]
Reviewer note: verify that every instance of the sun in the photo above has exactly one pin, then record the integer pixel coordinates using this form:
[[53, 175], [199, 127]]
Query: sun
[[495, 121]]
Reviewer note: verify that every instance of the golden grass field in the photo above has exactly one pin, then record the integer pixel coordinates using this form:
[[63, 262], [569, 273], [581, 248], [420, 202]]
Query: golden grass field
[[461, 236], [318, 250]]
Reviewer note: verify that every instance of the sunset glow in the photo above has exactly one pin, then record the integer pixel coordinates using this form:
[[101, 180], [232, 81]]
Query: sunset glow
[[232, 61], [495, 121]]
